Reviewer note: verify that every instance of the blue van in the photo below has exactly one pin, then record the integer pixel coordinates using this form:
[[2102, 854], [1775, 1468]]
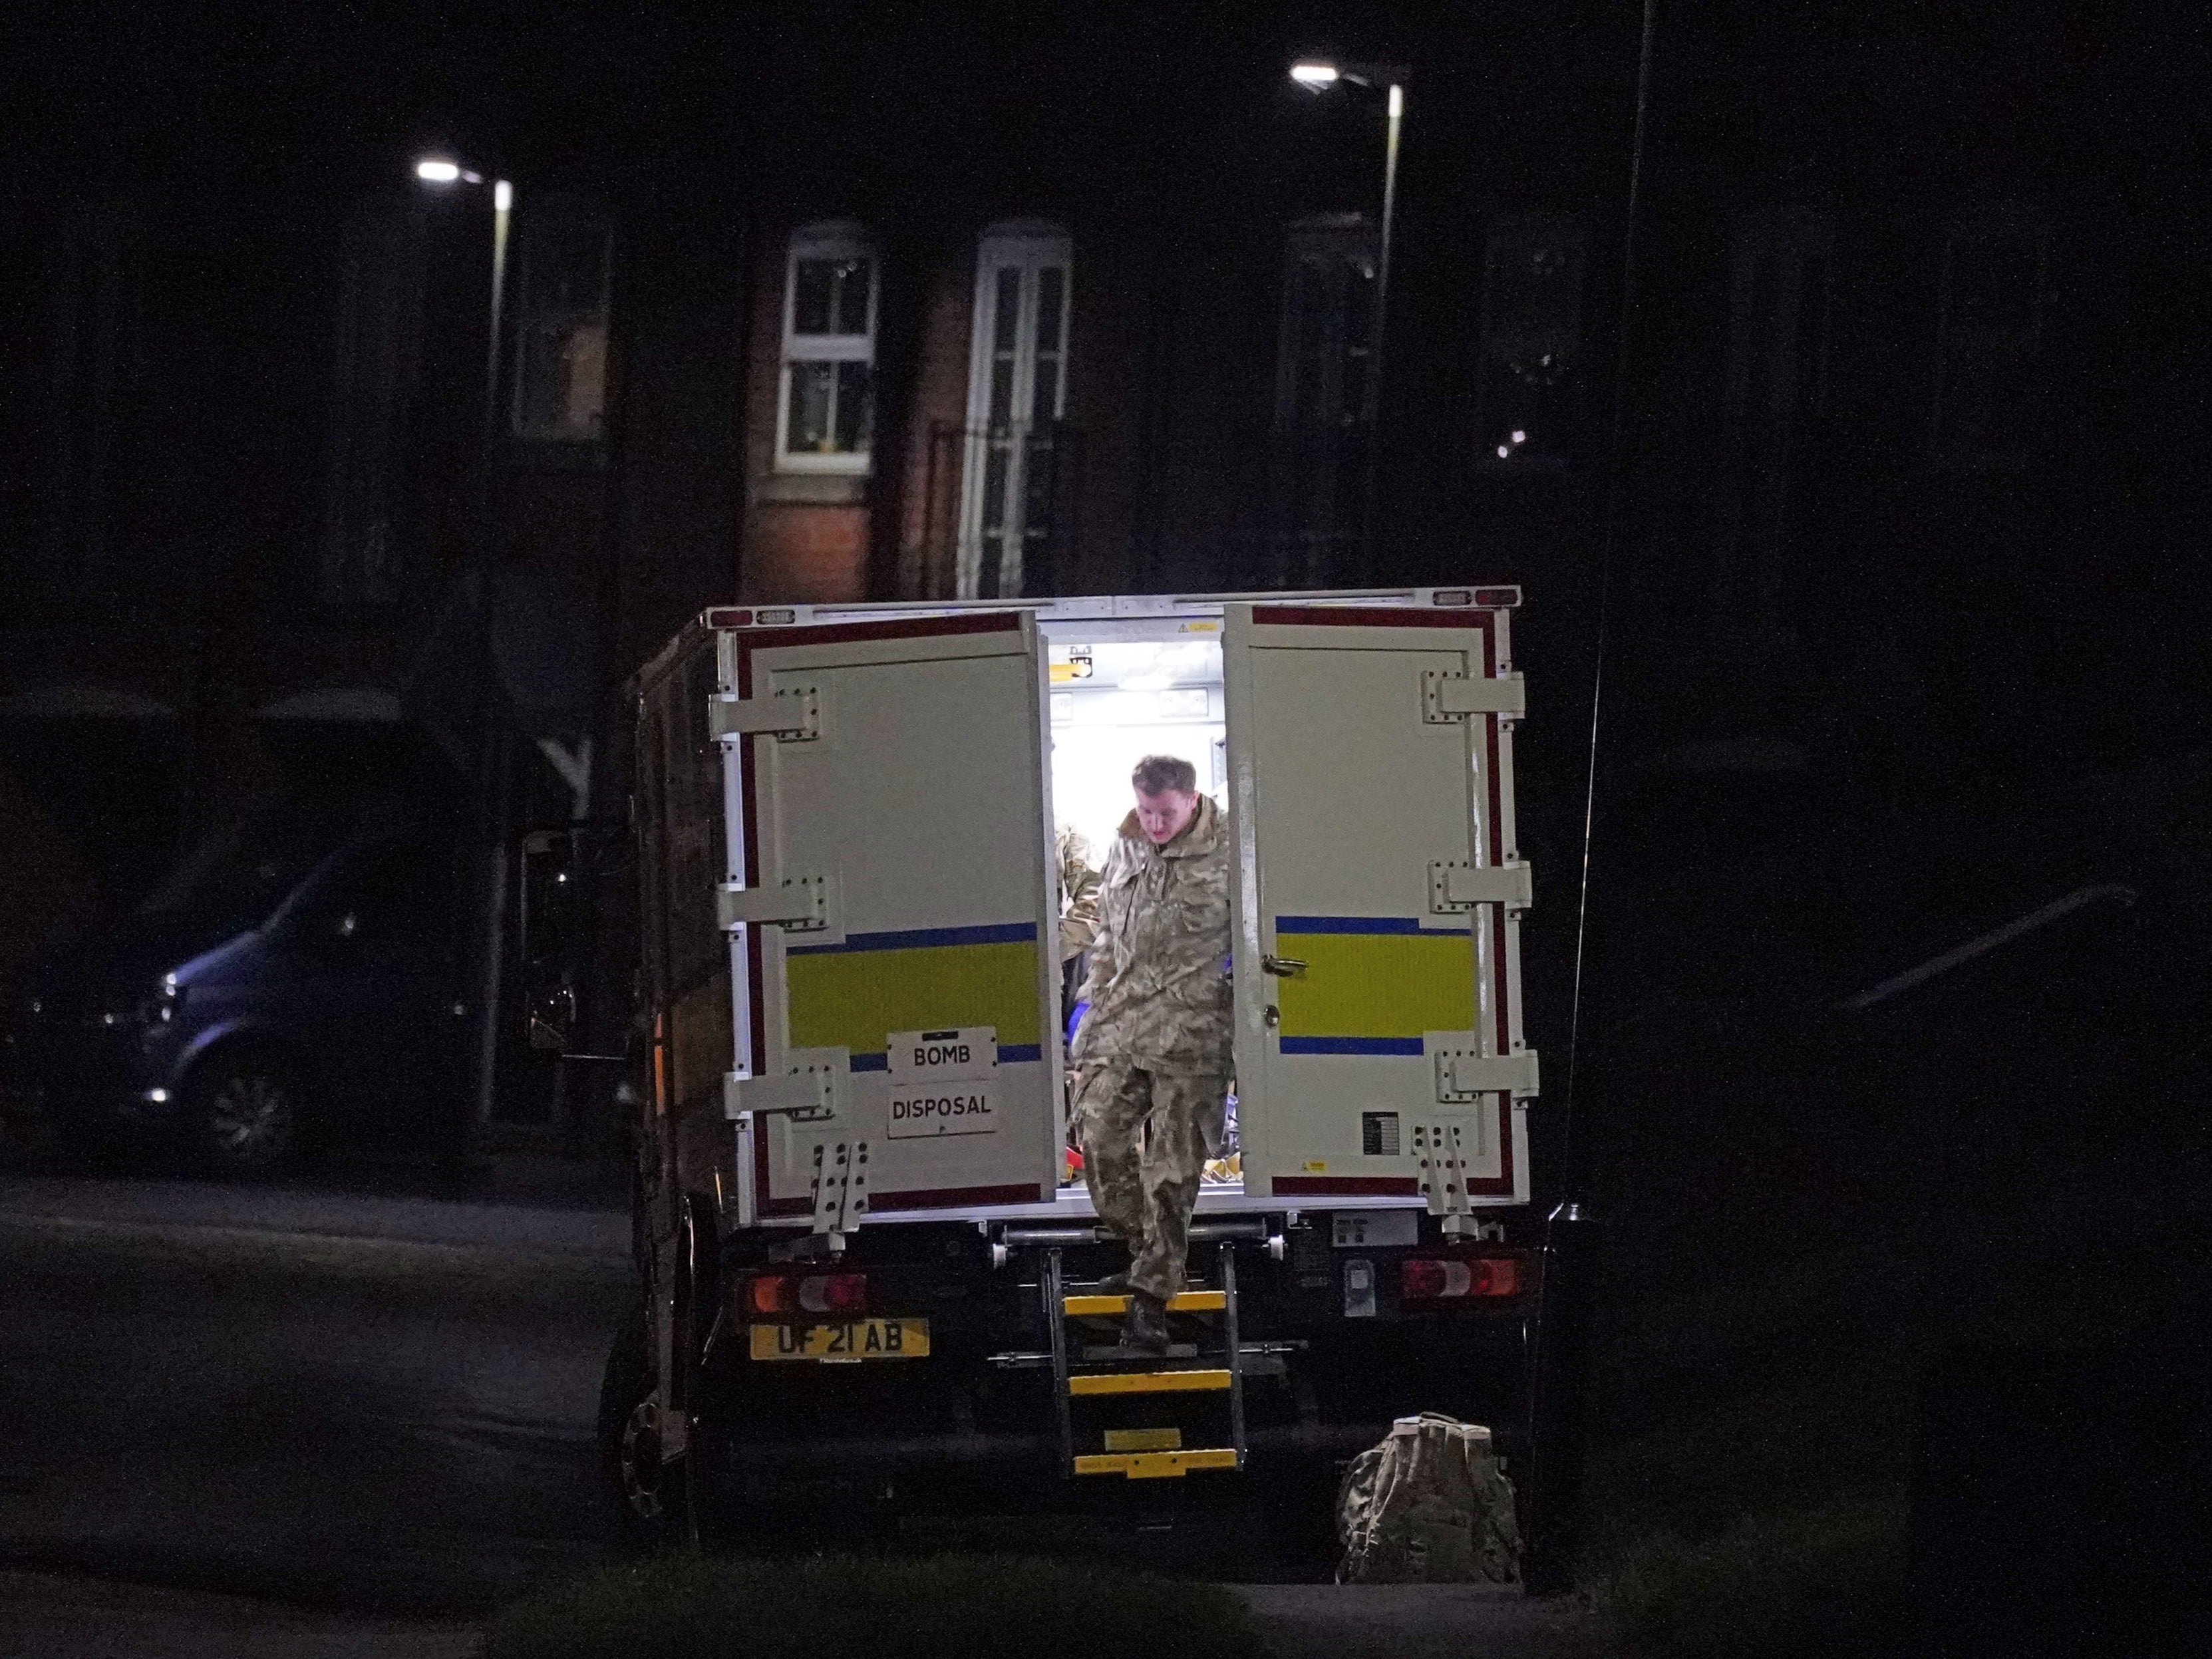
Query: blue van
[[291, 981]]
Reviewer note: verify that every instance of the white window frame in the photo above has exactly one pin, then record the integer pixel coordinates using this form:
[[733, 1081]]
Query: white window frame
[[1032, 246], [830, 239]]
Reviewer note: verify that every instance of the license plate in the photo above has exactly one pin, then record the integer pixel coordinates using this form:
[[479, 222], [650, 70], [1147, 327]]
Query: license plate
[[847, 1344]]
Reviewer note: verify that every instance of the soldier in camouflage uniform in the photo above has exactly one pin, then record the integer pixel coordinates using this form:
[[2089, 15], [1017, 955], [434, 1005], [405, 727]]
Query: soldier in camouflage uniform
[[1153, 1052]]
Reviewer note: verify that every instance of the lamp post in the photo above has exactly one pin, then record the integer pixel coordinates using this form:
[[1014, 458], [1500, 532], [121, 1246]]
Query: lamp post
[[496, 762], [434, 171], [1320, 76]]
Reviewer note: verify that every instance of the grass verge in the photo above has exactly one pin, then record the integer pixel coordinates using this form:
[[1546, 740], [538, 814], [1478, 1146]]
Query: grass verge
[[679, 1606]]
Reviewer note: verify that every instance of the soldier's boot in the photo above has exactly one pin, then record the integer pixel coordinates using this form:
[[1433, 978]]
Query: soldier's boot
[[1115, 1284], [1144, 1328]]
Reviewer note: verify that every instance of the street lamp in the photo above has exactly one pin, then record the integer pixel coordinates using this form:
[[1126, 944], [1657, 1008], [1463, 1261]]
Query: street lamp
[[437, 170], [1318, 76], [496, 766]]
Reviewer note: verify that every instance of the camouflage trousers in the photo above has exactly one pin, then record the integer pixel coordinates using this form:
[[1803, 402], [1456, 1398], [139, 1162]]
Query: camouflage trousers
[[1146, 1136]]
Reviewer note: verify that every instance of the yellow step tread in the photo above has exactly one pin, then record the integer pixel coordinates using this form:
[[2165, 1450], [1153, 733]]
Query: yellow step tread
[[1147, 1382], [1154, 1466], [1183, 1302]]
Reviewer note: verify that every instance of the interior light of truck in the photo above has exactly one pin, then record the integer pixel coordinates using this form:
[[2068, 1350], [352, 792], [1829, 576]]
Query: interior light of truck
[[837, 1293], [768, 1293]]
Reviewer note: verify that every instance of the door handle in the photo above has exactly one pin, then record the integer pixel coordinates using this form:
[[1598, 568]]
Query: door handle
[[1282, 967]]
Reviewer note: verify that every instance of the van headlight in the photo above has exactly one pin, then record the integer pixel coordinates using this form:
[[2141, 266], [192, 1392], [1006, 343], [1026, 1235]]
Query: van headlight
[[162, 1007]]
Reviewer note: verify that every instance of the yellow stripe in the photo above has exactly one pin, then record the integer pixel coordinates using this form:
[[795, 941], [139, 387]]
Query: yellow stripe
[[1152, 1466], [1143, 1440], [1182, 1302], [854, 999], [1148, 1383], [1377, 985]]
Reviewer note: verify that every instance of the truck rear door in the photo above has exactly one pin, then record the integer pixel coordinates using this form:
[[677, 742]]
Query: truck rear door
[[895, 980], [1379, 1050]]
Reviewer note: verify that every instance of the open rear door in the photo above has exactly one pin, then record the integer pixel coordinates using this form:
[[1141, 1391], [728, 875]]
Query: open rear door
[[1379, 1048], [894, 981]]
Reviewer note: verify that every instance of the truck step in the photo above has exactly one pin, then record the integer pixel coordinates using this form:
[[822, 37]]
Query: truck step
[[1157, 1465], [1092, 1307], [1174, 1381]]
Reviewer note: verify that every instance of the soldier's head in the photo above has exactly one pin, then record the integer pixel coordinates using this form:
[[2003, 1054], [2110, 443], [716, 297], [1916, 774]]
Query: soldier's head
[[1167, 796]]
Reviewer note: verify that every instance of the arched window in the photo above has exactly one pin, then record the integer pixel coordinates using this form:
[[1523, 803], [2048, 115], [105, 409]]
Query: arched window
[[826, 405]]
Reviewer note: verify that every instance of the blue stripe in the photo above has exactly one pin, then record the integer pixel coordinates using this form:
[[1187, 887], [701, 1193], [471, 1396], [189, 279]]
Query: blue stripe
[[922, 938], [1346, 925], [1010, 1054], [1352, 1046]]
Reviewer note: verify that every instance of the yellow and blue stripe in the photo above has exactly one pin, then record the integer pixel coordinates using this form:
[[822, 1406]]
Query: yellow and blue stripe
[[1372, 985], [853, 994]]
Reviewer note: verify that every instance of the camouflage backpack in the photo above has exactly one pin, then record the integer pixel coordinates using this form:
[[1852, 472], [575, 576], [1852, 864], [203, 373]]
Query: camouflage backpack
[[1431, 1505]]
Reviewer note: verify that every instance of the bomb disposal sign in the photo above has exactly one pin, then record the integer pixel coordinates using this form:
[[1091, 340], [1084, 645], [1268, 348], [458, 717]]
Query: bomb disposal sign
[[943, 1083]]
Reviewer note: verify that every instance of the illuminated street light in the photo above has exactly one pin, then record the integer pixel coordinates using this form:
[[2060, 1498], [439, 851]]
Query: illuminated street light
[[1318, 75], [437, 170]]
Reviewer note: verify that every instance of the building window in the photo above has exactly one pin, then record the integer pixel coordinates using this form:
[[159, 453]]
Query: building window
[[827, 402], [1320, 427], [1995, 288], [1013, 477], [1534, 273], [560, 327]]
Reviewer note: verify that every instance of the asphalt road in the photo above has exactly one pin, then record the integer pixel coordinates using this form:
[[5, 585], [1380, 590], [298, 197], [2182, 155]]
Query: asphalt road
[[375, 1402]]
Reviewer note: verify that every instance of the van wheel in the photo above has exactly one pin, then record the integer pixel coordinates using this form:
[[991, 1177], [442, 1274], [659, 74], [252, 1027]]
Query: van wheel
[[245, 1115]]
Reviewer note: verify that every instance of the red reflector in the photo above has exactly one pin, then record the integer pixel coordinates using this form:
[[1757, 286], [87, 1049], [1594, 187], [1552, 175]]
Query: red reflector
[[1503, 597], [838, 1293], [768, 1295], [724, 617]]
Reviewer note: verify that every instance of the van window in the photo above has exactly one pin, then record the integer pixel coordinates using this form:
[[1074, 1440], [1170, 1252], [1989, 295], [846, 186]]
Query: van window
[[397, 893]]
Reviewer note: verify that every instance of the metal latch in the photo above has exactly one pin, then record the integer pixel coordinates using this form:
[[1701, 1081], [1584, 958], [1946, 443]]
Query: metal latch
[[1282, 967], [1469, 1074], [807, 1096], [792, 714], [1456, 885], [1442, 1150], [800, 903], [1447, 697]]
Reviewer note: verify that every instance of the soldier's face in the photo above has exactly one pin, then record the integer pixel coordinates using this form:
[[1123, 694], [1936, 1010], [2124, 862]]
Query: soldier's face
[[1166, 815]]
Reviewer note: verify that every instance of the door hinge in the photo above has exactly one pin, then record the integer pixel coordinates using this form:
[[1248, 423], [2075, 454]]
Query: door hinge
[[805, 1097], [790, 714], [1455, 885], [1440, 1149], [800, 903], [1466, 1073], [1447, 697]]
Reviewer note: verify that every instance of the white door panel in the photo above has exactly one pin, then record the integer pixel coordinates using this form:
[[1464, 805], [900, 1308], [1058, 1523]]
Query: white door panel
[[1389, 1028], [918, 804]]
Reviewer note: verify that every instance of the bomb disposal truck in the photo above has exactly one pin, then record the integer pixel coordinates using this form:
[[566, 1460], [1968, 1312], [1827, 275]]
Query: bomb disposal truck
[[865, 1255]]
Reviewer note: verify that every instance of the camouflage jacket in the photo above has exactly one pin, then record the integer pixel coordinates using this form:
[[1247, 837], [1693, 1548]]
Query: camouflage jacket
[[1079, 893], [1159, 986]]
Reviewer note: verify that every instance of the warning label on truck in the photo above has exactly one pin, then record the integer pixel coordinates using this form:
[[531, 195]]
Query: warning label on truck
[[957, 1108]]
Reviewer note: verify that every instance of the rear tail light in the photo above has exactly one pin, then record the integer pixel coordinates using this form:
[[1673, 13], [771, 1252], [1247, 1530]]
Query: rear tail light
[[770, 1295], [833, 1293], [1456, 1278]]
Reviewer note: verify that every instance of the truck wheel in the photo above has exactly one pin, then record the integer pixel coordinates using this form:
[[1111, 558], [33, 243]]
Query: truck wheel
[[243, 1116], [650, 1502]]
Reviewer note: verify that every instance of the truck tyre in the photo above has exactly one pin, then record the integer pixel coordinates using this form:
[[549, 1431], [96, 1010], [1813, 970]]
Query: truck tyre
[[648, 1495], [242, 1114]]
